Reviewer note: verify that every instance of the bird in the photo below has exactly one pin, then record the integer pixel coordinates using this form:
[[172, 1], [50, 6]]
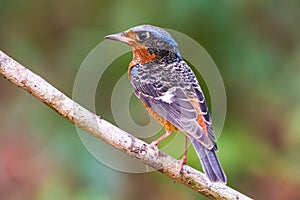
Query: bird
[[171, 93]]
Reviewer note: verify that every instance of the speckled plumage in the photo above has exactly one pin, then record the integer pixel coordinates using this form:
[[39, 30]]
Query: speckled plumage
[[153, 80], [169, 90]]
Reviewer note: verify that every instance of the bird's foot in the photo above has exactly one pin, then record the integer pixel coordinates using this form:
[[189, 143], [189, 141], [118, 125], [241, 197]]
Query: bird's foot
[[154, 144], [182, 162], [183, 159]]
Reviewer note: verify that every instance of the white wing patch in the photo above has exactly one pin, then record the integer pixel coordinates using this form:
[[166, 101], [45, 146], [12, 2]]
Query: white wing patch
[[167, 97]]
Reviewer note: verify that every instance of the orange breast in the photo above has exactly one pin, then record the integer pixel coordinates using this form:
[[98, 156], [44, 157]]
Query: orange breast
[[140, 55]]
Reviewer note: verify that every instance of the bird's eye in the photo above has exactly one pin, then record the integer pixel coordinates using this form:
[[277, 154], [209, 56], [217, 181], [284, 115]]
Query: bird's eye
[[142, 36]]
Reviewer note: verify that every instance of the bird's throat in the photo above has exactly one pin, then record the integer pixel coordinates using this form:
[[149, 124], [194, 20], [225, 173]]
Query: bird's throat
[[141, 55]]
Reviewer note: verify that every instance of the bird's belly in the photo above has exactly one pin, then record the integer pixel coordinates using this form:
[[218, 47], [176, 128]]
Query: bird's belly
[[165, 123]]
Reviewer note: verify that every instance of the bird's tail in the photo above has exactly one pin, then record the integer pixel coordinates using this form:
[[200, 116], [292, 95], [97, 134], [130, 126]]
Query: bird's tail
[[210, 162]]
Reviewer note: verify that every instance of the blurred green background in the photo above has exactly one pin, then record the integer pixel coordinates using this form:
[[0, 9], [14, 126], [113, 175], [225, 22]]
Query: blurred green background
[[255, 44]]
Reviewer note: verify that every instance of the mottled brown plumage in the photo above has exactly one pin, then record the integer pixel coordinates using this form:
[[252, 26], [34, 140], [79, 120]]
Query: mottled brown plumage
[[169, 90]]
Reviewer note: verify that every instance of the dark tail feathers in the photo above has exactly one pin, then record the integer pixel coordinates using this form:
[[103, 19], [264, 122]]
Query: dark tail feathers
[[210, 162]]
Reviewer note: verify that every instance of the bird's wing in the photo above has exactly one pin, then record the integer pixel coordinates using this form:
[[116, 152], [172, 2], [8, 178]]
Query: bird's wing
[[187, 112]]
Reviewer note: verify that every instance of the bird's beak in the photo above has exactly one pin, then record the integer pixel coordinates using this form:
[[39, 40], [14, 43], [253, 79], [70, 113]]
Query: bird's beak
[[120, 37]]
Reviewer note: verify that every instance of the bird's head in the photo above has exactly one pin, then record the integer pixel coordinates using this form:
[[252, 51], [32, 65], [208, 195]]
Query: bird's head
[[147, 42]]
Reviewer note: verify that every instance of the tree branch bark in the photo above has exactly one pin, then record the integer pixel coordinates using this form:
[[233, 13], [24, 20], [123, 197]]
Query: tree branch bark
[[93, 124]]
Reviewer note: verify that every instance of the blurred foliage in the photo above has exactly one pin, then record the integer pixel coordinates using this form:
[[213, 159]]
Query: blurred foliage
[[255, 44]]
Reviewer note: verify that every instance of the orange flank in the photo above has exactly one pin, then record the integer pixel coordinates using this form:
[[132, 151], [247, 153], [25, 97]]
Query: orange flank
[[200, 118], [165, 123]]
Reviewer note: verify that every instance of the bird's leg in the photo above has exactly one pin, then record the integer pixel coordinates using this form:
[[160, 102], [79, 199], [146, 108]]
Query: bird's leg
[[155, 142], [183, 159]]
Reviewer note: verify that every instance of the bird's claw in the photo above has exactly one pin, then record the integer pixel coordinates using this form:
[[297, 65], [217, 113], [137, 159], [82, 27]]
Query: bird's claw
[[154, 145], [181, 163]]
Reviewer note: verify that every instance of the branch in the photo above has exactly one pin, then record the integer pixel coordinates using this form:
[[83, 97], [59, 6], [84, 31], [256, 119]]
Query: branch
[[93, 124]]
